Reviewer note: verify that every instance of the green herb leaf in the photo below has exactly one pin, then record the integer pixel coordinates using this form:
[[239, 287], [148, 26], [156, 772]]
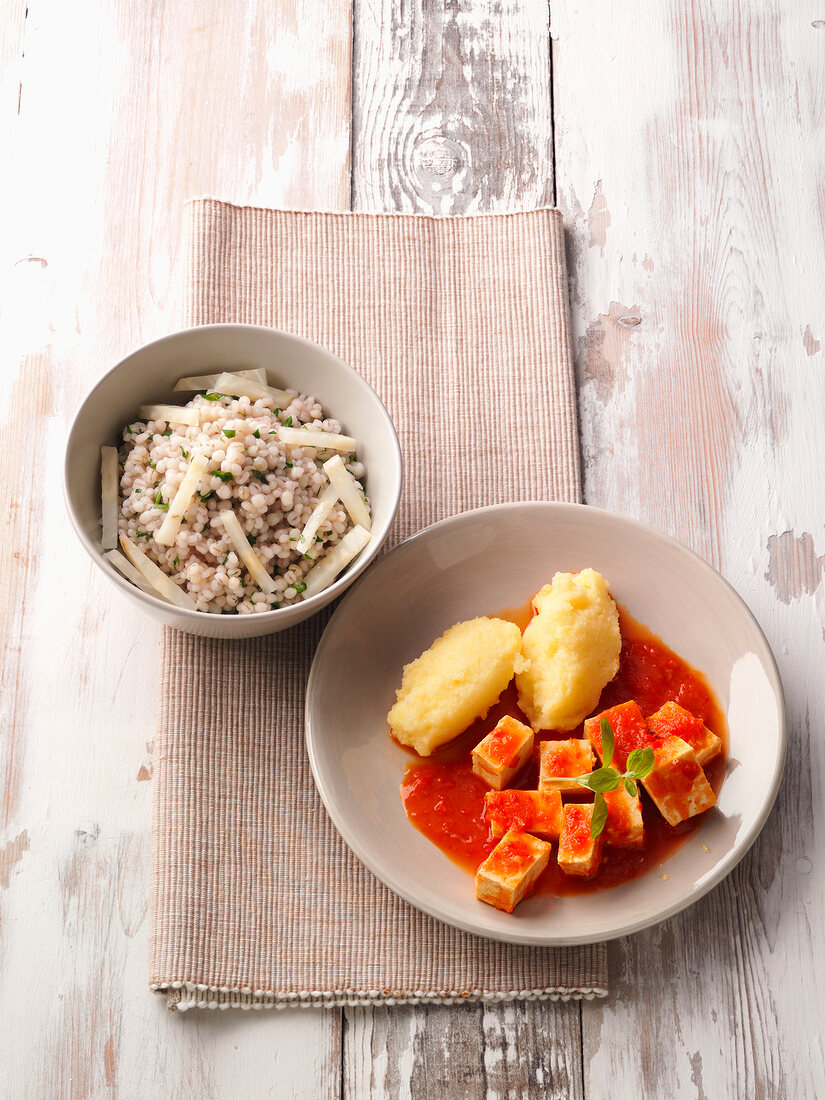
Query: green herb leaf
[[608, 742], [289, 465], [599, 818], [630, 787], [300, 587], [640, 762], [205, 496], [351, 458], [184, 453], [257, 434], [259, 475], [288, 422], [159, 502], [167, 432], [251, 539], [604, 779], [229, 433], [224, 475], [212, 396]]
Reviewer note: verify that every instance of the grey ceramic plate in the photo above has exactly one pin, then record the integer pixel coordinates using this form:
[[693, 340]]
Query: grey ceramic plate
[[479, 563]]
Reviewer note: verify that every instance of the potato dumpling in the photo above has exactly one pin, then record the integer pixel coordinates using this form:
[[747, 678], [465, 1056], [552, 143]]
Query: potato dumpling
[[569, 651], [454, 682]]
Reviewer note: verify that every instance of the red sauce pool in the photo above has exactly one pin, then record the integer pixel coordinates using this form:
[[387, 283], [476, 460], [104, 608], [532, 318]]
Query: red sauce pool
[[445, 801]]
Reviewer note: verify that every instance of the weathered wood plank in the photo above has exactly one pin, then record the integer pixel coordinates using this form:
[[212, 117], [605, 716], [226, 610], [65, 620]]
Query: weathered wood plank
[[688, 143], [452, 115], [476, 1052], [125, 111], [451, 106]]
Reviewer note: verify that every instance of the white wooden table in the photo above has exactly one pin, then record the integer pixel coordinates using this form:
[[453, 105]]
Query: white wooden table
[[683, 140]]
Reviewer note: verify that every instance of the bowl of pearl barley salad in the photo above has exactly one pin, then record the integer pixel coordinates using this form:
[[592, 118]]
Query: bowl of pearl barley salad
[[232, 480]]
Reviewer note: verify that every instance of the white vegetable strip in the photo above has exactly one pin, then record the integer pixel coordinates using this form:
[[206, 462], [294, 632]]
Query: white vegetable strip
[[320, 512], [124, 566], [348, 490], [207, 381], [328, 568], [109, 496], [324, 441], [172, 414], [167, 531], [245, 552], [236, 385], [158, 579]]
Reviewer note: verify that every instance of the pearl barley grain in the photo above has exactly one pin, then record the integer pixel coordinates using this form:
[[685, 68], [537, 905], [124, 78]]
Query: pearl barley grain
[[273, 489]]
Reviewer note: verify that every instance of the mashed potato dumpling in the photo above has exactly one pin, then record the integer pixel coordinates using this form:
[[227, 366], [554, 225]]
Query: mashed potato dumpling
[[569, 651], [454, 682]]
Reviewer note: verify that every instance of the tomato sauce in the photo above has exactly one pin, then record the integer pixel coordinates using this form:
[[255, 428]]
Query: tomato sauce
[[445, 800]]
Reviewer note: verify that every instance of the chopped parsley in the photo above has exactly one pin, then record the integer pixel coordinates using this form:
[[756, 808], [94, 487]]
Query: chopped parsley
[[289, 465], [257, 434], [259, 475], [288, 422], [154, 465], [300, 587], [159, 502], [142, 534], [251, 539], [138, 491], [184, 453], [205, 496], [229, 433], [224, 475], [212, 396], [167, 432]]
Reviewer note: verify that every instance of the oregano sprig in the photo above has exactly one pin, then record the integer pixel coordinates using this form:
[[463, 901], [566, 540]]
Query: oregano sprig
[[607, 778]]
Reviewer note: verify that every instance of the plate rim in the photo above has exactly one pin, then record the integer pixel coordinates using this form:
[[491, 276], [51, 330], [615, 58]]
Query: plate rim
[[725, 866]]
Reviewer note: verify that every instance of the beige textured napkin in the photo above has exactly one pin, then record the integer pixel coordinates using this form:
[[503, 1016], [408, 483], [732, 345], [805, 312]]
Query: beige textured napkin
[[461, 325]]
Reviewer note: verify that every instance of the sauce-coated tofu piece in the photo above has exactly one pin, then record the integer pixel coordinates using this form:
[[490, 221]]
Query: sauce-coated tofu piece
[[625, 827], [503, 752], [671, 720], [677, 783], [511, 869], [629, 729], [579, 852], [561, 761], [538, 812]]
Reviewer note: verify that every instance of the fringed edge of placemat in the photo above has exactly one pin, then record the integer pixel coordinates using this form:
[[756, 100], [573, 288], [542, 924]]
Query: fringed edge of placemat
[[181, 996]]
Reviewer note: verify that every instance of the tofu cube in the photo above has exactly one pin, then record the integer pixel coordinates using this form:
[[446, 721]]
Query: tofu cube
[[625, 827], [629, 728], [561, 761], [511, 869], [677, 783], [579, 852], [671, 720], [538, 812], [503, 752]]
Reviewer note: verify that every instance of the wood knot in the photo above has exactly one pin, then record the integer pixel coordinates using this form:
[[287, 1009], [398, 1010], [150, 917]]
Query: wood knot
[[629, 320], [440, 163]]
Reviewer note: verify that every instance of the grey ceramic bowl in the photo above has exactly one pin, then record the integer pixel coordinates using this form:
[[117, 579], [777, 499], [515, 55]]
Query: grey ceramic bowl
[[149, 374], [463, 567]]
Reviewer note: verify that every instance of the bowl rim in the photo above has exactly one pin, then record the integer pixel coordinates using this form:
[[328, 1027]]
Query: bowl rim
[[722, 869], [314, 603]]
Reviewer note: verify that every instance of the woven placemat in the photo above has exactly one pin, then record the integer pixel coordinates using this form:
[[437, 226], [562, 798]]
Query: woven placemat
[[461, 325]]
